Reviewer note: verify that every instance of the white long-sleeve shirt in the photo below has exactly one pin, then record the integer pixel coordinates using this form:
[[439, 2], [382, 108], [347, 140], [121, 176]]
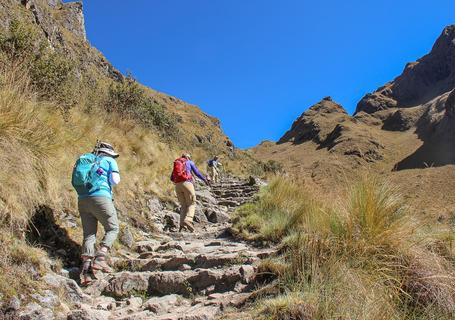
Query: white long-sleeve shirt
[[114, 178]]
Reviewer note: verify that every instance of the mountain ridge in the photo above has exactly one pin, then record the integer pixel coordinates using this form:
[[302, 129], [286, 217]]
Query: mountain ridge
[[404, 127]]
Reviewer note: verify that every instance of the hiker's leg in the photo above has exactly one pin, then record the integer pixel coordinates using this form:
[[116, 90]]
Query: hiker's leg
[[212, 173], [209, 170], [215, 175], [107, 215], [89, 227], [180, 190], [190, 198]]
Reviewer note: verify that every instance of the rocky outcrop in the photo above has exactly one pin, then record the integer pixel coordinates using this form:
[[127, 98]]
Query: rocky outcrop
[[354, 139], [329, 126], [421, 81], [315, 123], [403, 119], [450, 105], [73, 19], [69, 15]]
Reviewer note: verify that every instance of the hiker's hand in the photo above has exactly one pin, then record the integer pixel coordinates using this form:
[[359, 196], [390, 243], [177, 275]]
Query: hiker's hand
[[207, 181]]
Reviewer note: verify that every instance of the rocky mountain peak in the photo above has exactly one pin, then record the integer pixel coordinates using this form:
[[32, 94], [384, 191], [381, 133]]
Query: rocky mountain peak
[[421, 81], [315, 123], [46, 13]]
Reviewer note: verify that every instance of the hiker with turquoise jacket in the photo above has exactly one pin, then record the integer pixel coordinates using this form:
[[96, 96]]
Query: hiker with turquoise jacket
[[94, 176]]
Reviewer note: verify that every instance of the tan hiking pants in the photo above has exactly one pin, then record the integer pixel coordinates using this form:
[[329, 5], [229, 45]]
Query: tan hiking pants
[[213, 174], [187, 198]]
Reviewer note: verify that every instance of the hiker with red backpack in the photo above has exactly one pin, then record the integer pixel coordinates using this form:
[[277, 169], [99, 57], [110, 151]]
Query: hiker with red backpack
[[94, 176], [182, 176]]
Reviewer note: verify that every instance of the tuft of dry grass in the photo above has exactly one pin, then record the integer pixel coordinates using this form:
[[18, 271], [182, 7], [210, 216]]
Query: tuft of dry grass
[[366, 257], [292, 305], [20, 266]]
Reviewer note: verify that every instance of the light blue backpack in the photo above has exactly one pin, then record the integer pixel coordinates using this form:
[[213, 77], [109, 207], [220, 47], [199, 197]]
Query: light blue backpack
[[87, 174]]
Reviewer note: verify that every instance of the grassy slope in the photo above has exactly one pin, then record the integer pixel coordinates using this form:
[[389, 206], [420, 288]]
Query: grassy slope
[[366, 256], [429, 191]]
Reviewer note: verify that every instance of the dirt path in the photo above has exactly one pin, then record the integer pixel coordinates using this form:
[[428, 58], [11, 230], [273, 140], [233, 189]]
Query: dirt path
[[185, 276]]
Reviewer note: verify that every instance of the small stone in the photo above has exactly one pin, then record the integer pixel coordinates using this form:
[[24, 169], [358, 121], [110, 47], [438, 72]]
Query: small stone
[[217, 216], [126, 237], [104, 303], [200, 217], [86, 313], [34, 311], [160, 305], [72, 291], [13, 304], [171, 221], [147, 246], [248, 273], [154, 205], [184, 267], [135, 302], [47, 298]]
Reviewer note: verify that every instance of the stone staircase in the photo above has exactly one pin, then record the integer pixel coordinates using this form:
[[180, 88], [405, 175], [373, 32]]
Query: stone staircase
[[182, 276]]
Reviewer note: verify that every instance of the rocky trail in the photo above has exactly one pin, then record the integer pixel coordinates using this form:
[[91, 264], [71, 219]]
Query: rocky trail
[[181, 276]]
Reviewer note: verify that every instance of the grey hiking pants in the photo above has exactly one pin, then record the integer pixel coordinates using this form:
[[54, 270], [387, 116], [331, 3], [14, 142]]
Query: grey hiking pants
[[92, 210]]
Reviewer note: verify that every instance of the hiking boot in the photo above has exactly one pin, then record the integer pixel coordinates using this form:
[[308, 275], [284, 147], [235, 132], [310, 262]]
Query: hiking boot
[[87, 278], [87, 275], [100, 263], [186, 226]]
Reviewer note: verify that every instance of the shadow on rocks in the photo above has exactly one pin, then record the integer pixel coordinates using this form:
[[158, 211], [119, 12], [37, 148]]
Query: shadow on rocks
[[44, 232]]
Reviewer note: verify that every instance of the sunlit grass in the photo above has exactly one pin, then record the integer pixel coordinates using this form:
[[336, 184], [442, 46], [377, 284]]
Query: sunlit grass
[[364, 257]]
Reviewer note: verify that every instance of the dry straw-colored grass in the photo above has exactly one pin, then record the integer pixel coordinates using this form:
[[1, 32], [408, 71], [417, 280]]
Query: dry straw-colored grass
[[38, 147], [364, 257]]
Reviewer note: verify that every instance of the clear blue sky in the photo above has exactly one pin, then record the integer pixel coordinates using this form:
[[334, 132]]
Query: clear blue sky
[[258, 64]]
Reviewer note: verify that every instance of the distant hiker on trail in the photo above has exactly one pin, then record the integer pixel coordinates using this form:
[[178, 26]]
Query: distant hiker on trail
[[94, 175], [213, 169], [183, 179]]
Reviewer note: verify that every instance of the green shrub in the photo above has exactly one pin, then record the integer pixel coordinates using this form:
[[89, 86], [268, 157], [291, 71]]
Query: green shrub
[[272, 166], [19, 44], [260, 168], [130, 100], [52, 74]]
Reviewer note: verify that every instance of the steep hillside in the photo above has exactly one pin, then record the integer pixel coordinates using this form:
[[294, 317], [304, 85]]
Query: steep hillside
[[404, 130], [58, 95], [61, 26]]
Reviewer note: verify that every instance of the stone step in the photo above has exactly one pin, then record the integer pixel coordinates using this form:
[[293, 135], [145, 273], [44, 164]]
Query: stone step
[[185, 283], [229, 203], [225, 194], [182, 276], [168, 307], [152, 261], [238, 200]]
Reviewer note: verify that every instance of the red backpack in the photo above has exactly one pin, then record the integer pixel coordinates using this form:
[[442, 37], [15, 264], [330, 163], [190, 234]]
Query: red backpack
[[179, 173]]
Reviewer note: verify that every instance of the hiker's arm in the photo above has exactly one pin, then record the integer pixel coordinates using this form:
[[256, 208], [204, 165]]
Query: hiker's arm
[[114, 178], [196, 171]]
